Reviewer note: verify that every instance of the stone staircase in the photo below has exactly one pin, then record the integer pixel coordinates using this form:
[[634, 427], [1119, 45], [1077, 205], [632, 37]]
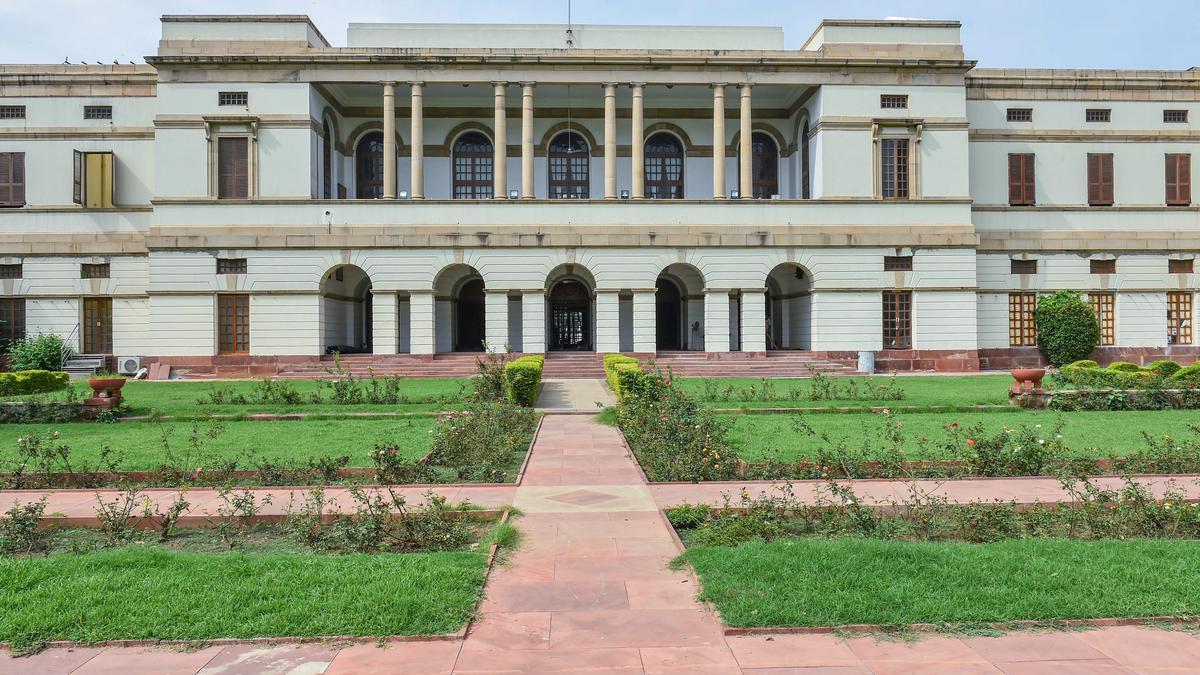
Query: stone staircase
[[84, 365], [408, 365], [745, 364], [573, 365]]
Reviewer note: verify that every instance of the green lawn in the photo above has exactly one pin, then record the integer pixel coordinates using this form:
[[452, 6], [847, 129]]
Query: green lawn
[[149, 592], [291, 441], [1098, 434], [952, 390], [181, 398], [816, 582]]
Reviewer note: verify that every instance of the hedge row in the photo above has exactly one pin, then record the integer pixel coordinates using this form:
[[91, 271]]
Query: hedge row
[[1123, 375], [619, 371], [32, 382], [523, 376]]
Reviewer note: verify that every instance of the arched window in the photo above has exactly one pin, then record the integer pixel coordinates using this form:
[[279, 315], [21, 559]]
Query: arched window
[[664, 167], [570, 162], [805, 183], [764, 165], [472, 166], [368, 163], [327, 158]]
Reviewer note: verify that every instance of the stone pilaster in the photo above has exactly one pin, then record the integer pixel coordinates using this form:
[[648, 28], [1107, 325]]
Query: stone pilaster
[[610, 140], [745, 147], [495, 320], [527, 140], [500, 144], [421, 322], [716, 320], [608, 322], [754, 320], [384, 314], [389, 140], [645, 336], [718, 143], [417, 170], [638, 141], [533, 322]]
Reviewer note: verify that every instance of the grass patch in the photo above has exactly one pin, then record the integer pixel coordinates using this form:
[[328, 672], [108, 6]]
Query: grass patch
[[1089, 434], [180, 399], [821, 582], [141, 443], [960, 391]]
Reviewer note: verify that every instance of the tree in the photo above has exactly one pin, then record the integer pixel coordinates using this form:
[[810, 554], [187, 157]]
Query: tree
[[1067, 328]]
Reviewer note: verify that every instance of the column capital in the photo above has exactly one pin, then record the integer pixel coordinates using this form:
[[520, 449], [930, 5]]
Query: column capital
[[417, 84], [637, 85], [610, 86], [530, 84], [746, 86], [719, 86]]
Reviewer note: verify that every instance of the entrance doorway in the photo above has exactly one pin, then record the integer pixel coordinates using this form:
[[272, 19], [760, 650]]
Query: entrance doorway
[[97, 326], [469, 317], [570, 317], [668, 317]]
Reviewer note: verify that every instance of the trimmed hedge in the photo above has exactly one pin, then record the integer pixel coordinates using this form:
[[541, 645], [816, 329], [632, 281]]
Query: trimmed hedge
[[1085, 363], [620, 371], [1188, 375], [1164, 368], [1124, 367], [32, 382], [1067, 328], [523, 377]]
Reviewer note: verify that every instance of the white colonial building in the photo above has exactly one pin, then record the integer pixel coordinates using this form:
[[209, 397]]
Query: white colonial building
[[254, 198]]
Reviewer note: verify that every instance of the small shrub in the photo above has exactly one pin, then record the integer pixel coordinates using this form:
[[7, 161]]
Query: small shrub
[[523, 377], [1164, 368], [482, 442], [19, 532], [1024, 451], [618, 366], [24, 382], [1124, 367], [1083, 363], [236, 511], [1067, 328], [489, 376], [1187, 375], [687, 516], [116, 516], [391, 468], [39, 352], [165, 519]]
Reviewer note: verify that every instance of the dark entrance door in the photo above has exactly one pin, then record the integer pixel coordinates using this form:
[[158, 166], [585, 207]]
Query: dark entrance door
[[667, 315], [97, 325], [570, 317], [469, 310]]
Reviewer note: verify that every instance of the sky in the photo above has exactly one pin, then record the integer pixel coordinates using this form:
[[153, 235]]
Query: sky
[[996, 33]]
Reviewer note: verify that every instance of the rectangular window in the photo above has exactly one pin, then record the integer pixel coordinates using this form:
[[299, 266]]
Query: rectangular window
[[1022, 330], [1175, 116], [1179, 318], [1020, 114], [231, 266], [1098, 115], [894, 155], [1103, 266], [893, 101], [12, 179], [233, 98], [1179, 179], [897, 263], [14, 271], [233, 323], [897, 319], [1023, 267], [12, 112], [93, 183], [233, 168], [1181, 266], [97, 112], [94, 271], [12, 321], [1103, 304], [1020, 179], [1100, 179]]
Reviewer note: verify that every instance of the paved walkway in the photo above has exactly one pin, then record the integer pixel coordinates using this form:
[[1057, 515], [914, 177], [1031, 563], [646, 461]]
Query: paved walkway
[[589, 591], [574, 395]]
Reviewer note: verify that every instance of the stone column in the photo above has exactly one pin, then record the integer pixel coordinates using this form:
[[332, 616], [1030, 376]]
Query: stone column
[[754, 320], [638, 142], [716, 320], [745, 147], [645, 336], [495, 320], [718, 141], [610, 140], [418, 141], [526, 140], [421, 322], [533, 321], [608, 322], [389, 140], [384, 323], [500, 143]]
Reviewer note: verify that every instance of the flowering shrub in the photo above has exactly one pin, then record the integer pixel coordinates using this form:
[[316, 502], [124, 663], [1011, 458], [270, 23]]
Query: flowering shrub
[[673, 437], [483, 442], [1024, 451]]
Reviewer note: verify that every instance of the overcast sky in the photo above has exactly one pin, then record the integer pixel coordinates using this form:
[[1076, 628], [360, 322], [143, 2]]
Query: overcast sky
[[997, 33]]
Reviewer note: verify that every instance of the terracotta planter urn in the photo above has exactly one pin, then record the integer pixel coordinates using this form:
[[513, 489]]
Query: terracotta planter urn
[[1028, 380], [106, 388]]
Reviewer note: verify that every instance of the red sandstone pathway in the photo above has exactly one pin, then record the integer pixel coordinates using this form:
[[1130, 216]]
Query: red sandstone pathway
[[589, 592]]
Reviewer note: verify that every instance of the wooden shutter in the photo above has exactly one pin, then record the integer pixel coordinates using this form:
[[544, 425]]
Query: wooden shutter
[[1179, 179], [1020, 179], [77, 183], [12, 179], [1100, 179], [233, 164]]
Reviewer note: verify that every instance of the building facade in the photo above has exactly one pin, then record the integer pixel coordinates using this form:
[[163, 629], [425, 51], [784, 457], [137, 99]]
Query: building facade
[[255, 196]]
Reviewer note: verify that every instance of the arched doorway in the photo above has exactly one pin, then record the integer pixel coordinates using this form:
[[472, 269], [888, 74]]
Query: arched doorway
[[326, 162], [569, 160], [570, 310], [459, 310], [346, 311], [679, 308], [368, 166], [472, 157], [764, 169], [664, 161], [789, 307]]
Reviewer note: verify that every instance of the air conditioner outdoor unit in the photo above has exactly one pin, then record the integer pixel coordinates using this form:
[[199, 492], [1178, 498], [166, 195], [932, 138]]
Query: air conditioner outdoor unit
[[129, 365]]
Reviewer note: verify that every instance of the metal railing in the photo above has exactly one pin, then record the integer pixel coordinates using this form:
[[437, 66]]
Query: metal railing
[[67, 350]]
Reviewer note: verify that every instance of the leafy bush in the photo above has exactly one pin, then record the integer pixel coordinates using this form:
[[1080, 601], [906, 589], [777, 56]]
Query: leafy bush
[[1067, 328], [1187, 375], [523, 377], [40, 352], [1105, 378], [1084, 363], [32, 382], [1164, 368], [1124, 367], [19, 531], [615, 365], [482, 442]]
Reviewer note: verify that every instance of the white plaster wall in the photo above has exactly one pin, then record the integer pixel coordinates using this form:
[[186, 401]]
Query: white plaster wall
[[1141, 319], [49, 168], [57, 316], [184, 325], [847, 321], [945, 320], [992, 318]]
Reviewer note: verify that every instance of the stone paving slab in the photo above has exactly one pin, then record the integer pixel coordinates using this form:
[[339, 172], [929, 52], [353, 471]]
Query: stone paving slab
[[574, 395]]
